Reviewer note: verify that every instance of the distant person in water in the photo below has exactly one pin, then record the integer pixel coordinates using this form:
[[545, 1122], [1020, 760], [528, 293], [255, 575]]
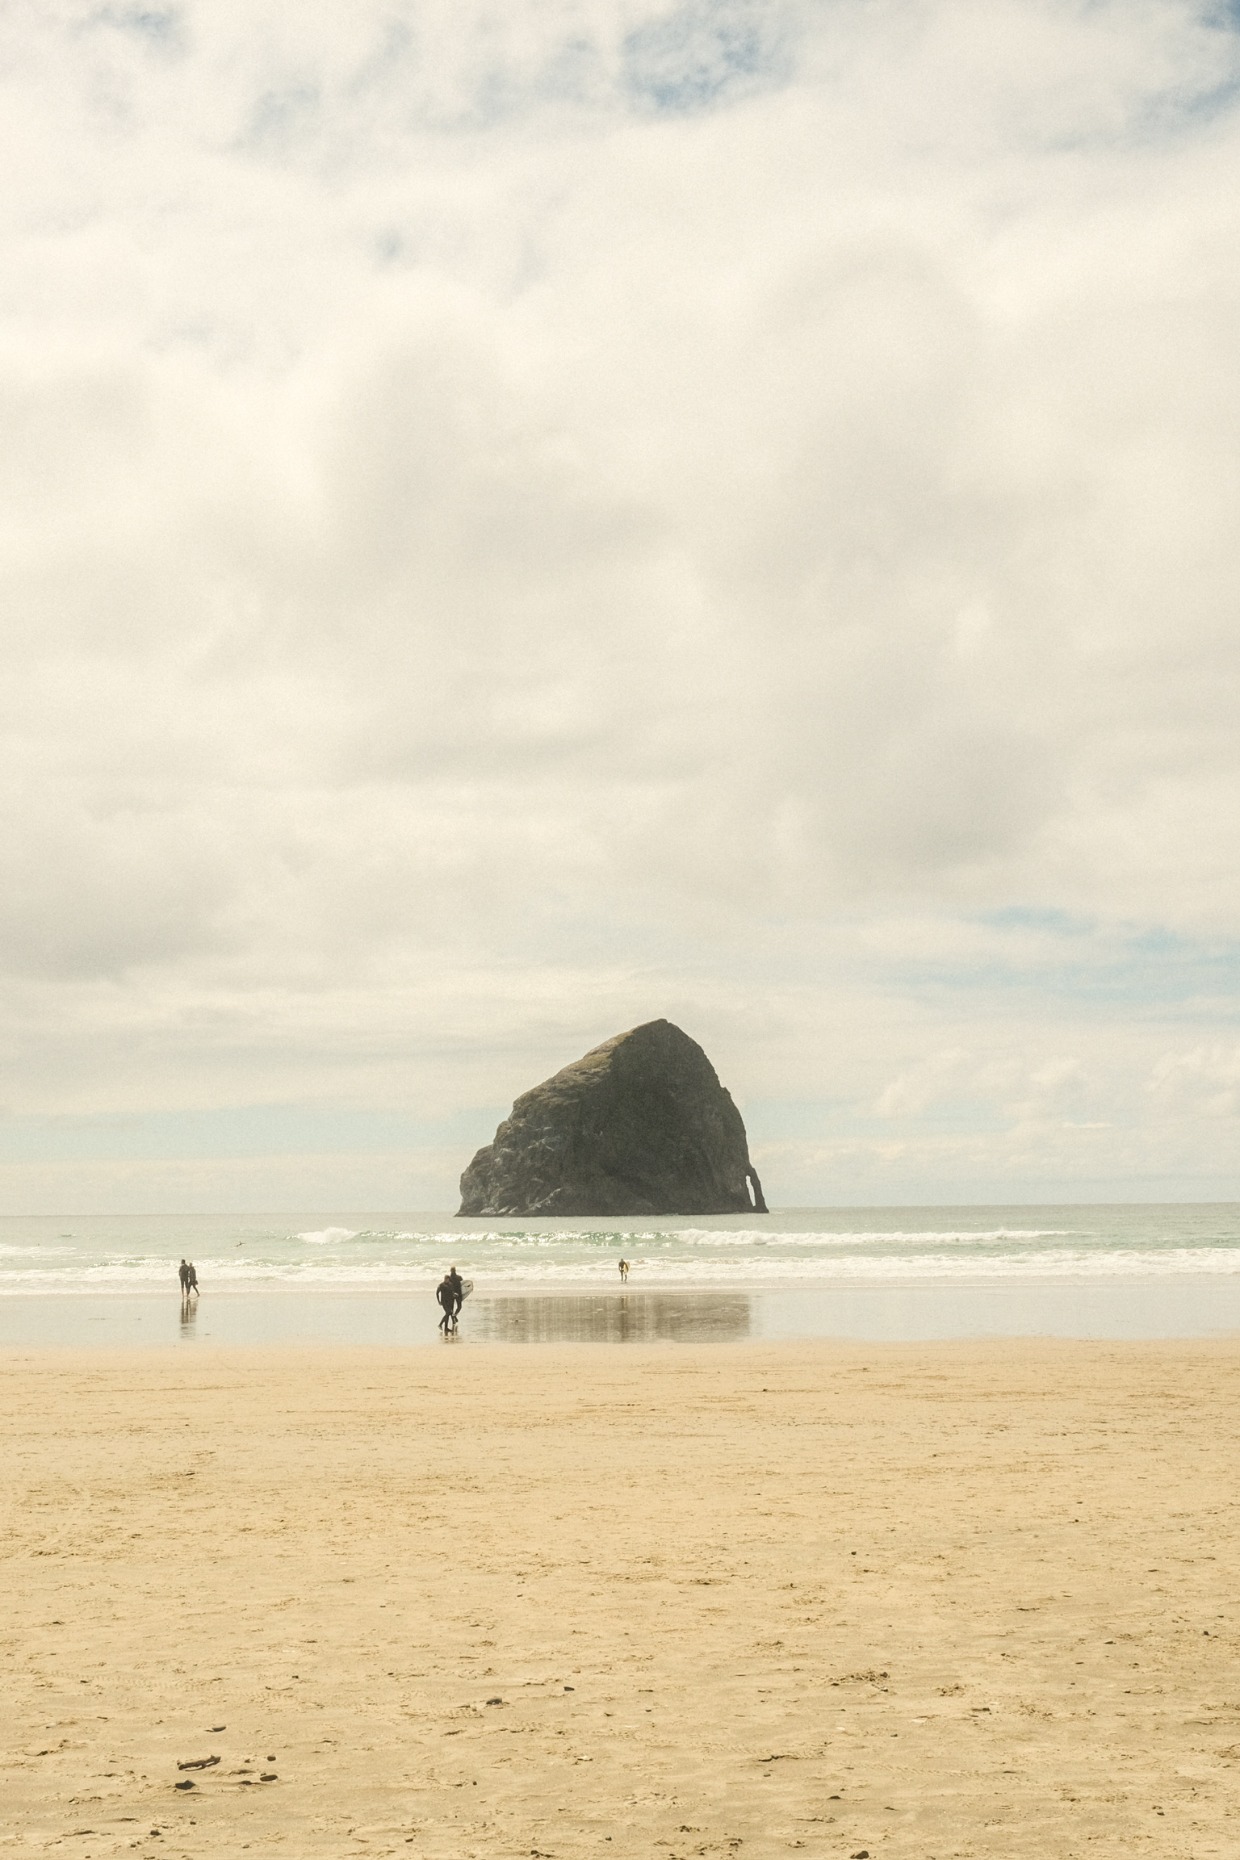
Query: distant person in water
[[624, 1271], [445, 1292], [183, 1276]]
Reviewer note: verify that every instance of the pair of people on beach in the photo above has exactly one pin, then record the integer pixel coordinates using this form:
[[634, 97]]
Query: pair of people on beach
[[451, 1295], [188, 1277]]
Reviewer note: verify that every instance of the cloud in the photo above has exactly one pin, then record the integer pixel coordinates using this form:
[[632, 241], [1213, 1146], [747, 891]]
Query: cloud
[[516, 519], [1201, 1082], [692, 57]]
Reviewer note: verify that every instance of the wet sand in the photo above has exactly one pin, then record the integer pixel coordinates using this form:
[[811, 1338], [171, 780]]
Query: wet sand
[[919, 1600], [280, 1313]]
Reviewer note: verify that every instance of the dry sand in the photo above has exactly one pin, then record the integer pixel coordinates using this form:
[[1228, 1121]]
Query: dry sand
[[923, 1600]]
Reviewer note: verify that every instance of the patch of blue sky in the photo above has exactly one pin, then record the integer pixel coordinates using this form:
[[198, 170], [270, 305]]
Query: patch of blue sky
[[1187, 103], [788, 1120], [696, 55], [819, 1120], [701, 54], [1132, 967], [1039, 917], [237, 1132], [1175, 113]]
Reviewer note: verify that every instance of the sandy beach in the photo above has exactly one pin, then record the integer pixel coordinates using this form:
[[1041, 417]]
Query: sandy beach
[[926, 1600]]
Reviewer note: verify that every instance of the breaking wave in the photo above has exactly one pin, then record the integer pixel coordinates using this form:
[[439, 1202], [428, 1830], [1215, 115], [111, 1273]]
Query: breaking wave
[[790, 1249]]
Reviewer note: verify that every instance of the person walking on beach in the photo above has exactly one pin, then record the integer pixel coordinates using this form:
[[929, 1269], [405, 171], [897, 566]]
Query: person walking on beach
[[183, 1276], [458, 1293], [446, 1294], [624, 1272], [191, 1279]]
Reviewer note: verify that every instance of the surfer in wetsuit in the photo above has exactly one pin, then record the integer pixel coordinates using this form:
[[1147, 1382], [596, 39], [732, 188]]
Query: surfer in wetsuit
[[458, 1293], [446, 1295], [624, 1271], [183, 1276]]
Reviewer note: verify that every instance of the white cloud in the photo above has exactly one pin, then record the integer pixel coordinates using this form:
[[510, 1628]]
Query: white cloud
[[517, 519], [1203, 1081]]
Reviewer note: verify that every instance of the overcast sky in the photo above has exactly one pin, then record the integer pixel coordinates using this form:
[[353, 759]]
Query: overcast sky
[[521, 518]]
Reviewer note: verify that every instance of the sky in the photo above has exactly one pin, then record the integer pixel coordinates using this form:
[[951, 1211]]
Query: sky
[[520, 519]]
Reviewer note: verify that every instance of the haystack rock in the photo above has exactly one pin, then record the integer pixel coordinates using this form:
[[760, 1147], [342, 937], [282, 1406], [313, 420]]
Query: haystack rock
[[640, 1125]]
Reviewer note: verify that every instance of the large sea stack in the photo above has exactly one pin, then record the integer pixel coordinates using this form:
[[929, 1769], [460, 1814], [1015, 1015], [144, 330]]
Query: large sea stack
[[641, 1125]]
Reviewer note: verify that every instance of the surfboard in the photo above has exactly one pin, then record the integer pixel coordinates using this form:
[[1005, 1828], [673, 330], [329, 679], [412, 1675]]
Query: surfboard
[[467, 1286]]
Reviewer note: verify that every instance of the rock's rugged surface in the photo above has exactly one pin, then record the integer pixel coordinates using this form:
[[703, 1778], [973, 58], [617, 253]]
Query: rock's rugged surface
[[640, 1125]]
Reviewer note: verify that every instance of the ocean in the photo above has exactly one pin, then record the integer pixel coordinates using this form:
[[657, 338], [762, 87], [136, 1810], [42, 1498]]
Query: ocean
[[873, 1273]]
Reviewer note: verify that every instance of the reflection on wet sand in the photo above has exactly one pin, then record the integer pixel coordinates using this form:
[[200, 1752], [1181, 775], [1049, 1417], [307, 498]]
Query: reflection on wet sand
[[189, 1311], [611, 1317]]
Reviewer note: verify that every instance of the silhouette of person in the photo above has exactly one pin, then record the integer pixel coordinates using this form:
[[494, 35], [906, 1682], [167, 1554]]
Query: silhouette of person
[[191, 1278], [445, 1292], [624, 1271], [183, 1276], [458, 1293]]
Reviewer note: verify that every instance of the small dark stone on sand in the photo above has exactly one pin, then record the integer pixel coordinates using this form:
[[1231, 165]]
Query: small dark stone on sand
[[198, 1763], [218, 1727], [573, 1688], [495, 1701], [269, 1776], [187, 1784]]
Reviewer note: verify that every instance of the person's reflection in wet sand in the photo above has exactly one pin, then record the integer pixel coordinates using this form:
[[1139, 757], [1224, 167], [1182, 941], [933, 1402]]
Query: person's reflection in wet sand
[[614, 1317], [189, 1311]]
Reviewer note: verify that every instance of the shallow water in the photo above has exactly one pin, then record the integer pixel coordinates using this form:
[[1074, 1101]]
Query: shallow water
[[1128, 1271]]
